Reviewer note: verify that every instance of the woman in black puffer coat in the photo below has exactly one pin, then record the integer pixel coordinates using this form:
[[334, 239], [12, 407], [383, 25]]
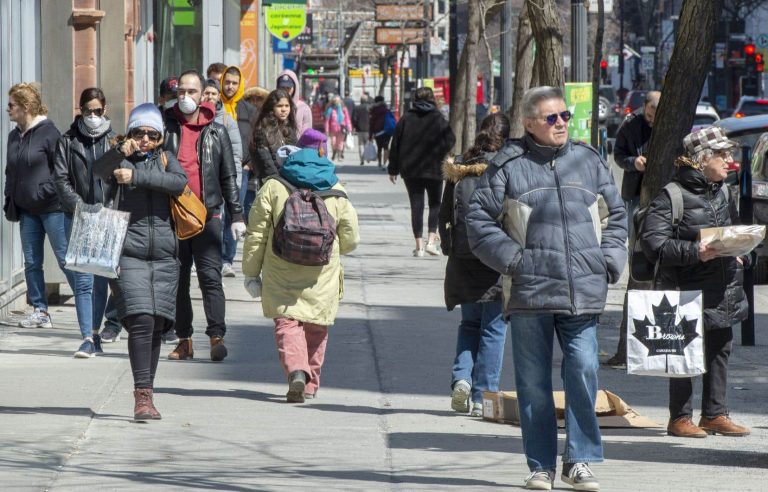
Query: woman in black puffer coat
[[468, 281], [145, 291], [686, 264]]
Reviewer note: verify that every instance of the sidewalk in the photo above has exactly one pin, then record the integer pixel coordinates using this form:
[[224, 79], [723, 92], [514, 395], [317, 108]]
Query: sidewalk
[[382, 419]]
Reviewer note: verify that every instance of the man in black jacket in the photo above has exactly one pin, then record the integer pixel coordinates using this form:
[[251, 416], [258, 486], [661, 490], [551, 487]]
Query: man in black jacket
[[629, 153], [360, 122], [204, 150]]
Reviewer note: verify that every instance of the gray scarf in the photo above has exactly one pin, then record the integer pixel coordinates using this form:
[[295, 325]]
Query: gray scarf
[[95, 133]]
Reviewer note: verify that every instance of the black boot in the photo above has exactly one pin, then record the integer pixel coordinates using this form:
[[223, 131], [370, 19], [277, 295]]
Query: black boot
[[296, 382]]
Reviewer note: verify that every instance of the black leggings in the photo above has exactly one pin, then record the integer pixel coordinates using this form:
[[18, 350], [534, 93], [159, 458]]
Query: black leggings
[[144, 332], [416, 188]]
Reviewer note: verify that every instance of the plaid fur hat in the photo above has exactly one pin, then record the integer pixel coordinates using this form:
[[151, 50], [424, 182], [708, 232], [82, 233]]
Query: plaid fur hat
[[711, 137]]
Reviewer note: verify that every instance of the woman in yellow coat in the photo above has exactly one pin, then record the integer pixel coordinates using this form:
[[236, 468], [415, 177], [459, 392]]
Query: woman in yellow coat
[[302, 300]]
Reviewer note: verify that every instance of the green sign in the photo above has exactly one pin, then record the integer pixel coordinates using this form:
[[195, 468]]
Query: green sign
[[578, 98], [287, 21]]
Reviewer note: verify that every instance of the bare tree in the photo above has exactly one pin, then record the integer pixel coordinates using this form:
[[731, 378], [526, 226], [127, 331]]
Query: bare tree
[[742, 9], [463, 108], [523, 72], [598, 55], [683, 83], [547, 30]]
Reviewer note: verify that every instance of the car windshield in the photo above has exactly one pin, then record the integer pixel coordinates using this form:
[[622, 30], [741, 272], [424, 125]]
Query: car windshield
[[751, 108], [749, 139], [703, 119], [607, 92]]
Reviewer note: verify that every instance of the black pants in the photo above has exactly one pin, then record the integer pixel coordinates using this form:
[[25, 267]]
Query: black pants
[[714, 402], [382, 144], [144, 341], [416, 188], [205, 249]]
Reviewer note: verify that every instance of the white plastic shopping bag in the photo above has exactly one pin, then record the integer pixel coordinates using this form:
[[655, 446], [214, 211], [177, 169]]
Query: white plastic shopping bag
[[96, 241], [369, 152], [349, 141], [665, 334]]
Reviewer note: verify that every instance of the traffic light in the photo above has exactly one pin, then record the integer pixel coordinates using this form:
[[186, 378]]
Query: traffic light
[[603, 70], [749, 50], [759, 62]]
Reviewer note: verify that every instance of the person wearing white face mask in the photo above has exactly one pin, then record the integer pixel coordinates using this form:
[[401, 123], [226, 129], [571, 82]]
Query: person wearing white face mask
[[87, 139], [204, 150]]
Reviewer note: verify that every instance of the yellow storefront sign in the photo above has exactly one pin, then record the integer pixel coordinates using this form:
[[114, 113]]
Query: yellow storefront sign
[[285, 22]]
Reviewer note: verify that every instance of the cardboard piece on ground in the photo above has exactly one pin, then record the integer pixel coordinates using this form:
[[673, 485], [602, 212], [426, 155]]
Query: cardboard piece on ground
[[610, 409]]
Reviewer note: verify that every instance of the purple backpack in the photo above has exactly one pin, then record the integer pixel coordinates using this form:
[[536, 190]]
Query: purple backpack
[[305, 232]]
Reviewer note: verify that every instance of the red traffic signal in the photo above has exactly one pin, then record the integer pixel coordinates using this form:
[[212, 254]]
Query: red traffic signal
[[758, 58], [749, 49], [603, 64]]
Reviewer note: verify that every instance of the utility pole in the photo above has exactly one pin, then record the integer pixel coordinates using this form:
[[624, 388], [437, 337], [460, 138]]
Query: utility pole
[[507, 56], [342, 70], [453, 49], [621, 48], [428, 39], [579, 72]]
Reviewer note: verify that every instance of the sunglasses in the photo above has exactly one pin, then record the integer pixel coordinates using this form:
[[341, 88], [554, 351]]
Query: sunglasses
[[551, 119], [12, 105], [138, 134], [88, 111]]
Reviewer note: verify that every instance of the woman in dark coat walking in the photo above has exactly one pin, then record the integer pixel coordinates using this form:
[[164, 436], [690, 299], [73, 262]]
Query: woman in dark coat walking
[[145, 291], [468, 281], [422, 140], [687, 264]]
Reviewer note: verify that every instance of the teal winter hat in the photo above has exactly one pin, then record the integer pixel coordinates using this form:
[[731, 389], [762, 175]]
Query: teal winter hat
[[146, 114]]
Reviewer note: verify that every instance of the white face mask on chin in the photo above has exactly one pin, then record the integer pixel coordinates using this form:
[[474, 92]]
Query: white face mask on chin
[[93, 121], [187, 105]]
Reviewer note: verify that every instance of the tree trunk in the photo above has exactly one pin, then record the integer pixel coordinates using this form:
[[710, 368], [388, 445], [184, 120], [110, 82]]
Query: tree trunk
[[471, 47], [523, 72], [596, 73], [688, 68], [458, 102], [547, 30]]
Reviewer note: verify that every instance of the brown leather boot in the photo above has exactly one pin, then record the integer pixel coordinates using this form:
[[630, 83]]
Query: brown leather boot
[[218, 349], [183, 350], [683, 427], [722, 424], [152, 410], [142, 404]]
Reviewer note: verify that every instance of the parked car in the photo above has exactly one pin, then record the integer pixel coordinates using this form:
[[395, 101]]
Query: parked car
[[609, 109], [706, 115], [750, 106], [634, 100]]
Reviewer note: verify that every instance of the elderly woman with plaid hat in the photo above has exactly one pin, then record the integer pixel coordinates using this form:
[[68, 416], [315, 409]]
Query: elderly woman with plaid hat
[[686, 264]]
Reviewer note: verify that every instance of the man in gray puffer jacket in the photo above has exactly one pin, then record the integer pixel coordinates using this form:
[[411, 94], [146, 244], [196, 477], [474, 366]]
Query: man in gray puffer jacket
[[548, 217]]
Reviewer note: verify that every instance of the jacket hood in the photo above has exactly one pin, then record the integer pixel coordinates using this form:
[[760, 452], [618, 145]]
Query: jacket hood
[[455, 170], [230, 104], [307, 169], [295, 80], [206, 115], [423, 107], [39, 121]]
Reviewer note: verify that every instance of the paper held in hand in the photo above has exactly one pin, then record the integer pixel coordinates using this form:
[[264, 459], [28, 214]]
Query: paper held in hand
[[733, 240]]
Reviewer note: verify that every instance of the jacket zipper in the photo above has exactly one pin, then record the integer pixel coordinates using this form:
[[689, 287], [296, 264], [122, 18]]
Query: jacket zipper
[[565, 235], [721, 260], [151, 217]]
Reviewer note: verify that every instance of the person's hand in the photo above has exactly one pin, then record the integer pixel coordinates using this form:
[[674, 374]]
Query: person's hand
[[246, 167], [393, 178], [640, 163], [253, 286], [123, 176], [238, 230], [129, 147], [706, 253]]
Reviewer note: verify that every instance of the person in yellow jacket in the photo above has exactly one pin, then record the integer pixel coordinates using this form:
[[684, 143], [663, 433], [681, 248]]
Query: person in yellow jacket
[[302, 300]]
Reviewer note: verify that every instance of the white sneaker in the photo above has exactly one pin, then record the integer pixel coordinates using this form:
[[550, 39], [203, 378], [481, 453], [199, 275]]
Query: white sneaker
[[579, 476], [227, 270], [38, 319], [418, 253], [432, 249], [194, 271], [540, 480], [477, 409], [460, 396]]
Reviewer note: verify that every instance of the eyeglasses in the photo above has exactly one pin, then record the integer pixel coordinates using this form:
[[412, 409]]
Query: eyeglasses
[[88, 111], [551, 119], [725, 154], [138, 134], [12, 105]]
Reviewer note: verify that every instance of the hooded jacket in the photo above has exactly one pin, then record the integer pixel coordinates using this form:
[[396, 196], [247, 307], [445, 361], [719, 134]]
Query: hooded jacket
[[422, 140], [553, 223], [631, 138], [218, 175], [308, 294], [75, 178], [241, 111], [467, 279], [720, 279], [29, 171], [303, 111], [376, 120], [149, 266]]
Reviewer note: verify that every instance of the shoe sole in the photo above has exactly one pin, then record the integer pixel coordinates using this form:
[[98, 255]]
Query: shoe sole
[[110, 340], [84, 355], [580, 486], [229, 275], [168, 342], [692, 436], [218, 353], [460, 400], [189, 357], [725, 434], [36, 325], [538, 486], [141, 417], [295, 392]]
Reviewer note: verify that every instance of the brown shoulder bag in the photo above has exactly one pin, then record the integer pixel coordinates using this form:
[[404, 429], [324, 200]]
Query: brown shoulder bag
[[187, 211]]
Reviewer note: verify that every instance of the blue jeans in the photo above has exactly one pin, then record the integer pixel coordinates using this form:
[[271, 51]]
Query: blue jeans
[[57, 226], [532, 344], [250, 196], [229, 242], [480, 347]]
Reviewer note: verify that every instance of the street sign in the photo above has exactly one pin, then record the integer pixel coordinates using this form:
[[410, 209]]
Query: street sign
[[594, 8], [396, 12], [578, 99], [280, 46], [647, 61], [613, 61], [285, 21], [307, 35], [396, 35], [762, 41]]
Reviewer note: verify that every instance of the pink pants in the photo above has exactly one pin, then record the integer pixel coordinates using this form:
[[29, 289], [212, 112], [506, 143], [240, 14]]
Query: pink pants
[[337, 140], [301, 347]]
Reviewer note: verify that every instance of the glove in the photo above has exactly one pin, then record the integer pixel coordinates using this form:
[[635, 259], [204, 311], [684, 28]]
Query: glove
[[238, 230], [90, 208], [253, 286]]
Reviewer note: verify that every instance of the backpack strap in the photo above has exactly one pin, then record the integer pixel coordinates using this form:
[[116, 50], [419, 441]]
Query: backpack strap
[[676, 197]]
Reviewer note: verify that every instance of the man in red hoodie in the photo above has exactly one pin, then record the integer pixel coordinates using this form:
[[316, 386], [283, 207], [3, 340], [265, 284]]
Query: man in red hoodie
[[205, 152]]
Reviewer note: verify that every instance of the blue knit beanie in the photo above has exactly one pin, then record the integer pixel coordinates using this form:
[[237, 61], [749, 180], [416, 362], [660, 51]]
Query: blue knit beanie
[[146, 114]]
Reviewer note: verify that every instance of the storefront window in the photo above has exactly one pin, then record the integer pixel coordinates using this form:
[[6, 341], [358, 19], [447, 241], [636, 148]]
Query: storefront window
[[179, 38]]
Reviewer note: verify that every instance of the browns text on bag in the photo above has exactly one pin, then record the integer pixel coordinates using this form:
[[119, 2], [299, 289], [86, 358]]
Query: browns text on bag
[[187, 211], [306, 231]]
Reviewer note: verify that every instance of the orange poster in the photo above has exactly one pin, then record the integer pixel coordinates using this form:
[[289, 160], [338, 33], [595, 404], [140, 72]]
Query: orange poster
[[249, 44]]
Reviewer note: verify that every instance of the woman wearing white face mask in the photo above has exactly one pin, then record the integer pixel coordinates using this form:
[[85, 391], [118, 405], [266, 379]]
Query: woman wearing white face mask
[[87, 139]]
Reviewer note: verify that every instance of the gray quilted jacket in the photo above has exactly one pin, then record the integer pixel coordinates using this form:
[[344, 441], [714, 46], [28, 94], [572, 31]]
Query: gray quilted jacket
[[553, 223]]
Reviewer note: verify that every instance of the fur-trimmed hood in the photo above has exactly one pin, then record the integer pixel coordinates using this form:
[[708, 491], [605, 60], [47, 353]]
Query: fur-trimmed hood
[[456, 170]]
